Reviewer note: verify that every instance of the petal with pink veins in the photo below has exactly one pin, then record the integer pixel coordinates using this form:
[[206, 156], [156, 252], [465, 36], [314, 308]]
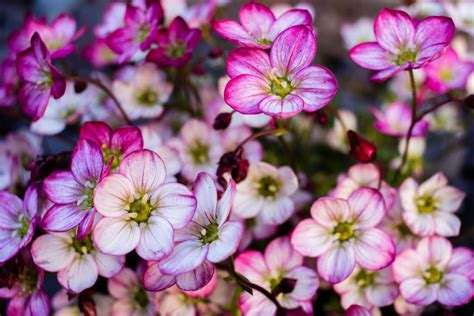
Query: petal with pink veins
[[329, 211], [61, 187], [394, 30], [251, 264], [419, 224], [248, 61], [227, 243], [225, 203], [116, 236], [244, 93], [415, 291], [406, 265], [288, 19], [156, 238], [61, 218], [52, 252], [197, 278], [370, 56], [176, 203], [306, 283], [433, 35], [447, 224], [462, 262], [449, 199], [112, 195], [456, 290], [374, 249], [336, 264], [98, 132], [79, 275], [206, 196], [87, 162], [368, 207], [383, 75], [154, 280], [311, 239], [381, 294], [234, 33], [108, 265], [127, 139], [435, 250], [257, 19], [185, 257], [280, 255], [279, 107]]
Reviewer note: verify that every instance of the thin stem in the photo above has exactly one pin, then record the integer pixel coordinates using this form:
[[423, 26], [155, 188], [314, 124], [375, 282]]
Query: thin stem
[[273, 131], [436, 106], [104, 88], [230, 268], [338, 117]]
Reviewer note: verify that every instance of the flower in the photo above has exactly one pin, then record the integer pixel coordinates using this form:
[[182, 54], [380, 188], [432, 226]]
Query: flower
[[210, 235], [141, 25], [360, 148], [175, 44], [72, 192], [343, 232], [280, 269], [140, 211], [115, 144], [40, 79], [142, 90], [429, 207], [266, 193], [17, 222], [282, 84], [259, 28], [395, 120], [357, 32], [416, 150], [402, 43], [434, 271], [460, 12], [337, 136], [448, 72], [77, 261], [368, 288]]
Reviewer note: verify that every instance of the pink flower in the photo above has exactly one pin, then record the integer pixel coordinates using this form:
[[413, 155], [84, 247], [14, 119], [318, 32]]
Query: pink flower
[[395, 120], [72, 192], [77, 261], [403, 43], [140, 211], [448, 72], [367, 288], [17, 222], [8, 82], [40, 79], [429, 207], [435, 272], [282, 84], [279, 268], [115, 144], [342, 233], [259, 27], [266, 193], [175, 44], [138, 32], [210, 235]]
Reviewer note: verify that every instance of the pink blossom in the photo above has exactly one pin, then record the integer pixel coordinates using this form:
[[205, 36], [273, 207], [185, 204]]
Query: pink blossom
[[140, 211], [343, 232], [403, 43], [434, 271], [258, 26], [17, 222], [40, 79], [429, 207], [115, 144], [395, 120], [175, 44], [72, 192], [448, 72], [357, 310], [9, 81], [280, 266], [283, 83]]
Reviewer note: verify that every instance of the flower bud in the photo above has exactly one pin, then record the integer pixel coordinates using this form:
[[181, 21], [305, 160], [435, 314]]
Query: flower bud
[[240, 170], [222, 121], [469, 101], [361, 149], [322, 117], [80, 86]]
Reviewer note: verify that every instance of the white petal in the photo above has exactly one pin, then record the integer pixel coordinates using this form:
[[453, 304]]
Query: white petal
[[229, 237], [311, 239], [185, 257], [156, 239], [53, 252], [116, 236], [108, 265], [176, 203], [79, 275], [336, 264], [112, 195], [197, 278]]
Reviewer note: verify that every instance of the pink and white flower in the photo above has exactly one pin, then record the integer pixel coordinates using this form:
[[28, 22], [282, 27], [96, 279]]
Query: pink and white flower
[[77, 261], [360, 31], [343, 232], [395, 120], [17, 222], [403, 43], [337, 136], [140, 211], [280, 269], [40, 79], [72, 192], [434, 271], [266, 193], [283, 83], [258, 26], [429, 207]]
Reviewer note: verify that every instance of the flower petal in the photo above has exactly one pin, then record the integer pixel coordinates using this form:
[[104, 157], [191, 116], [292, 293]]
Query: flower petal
[[368, 206], [127, 139], [52, 252], [280, 255], [108, 265], [450, 198], [256, 18], [112, 195], [383, 75], [234, 33], [206, 196], [154, 280], [311, 239], [98, 132], [406, 265], [119, 286], [248, 61], [156, 238], [394, 30], [456, 290], [61, 218], [336, 264], [251, 264], [61, 187], [229, 237], [116, 236], [328, 211], [415, 291], [381, 294], [244, 92], [176, 203], [194, 253], [447, 224], [225, 203], [276, 106], [307, 283], [374, 249], [197, 278], [276, 212], [288, 19], [462, 262], [433, 35], [87, 162], [79, 275], [370, 56]]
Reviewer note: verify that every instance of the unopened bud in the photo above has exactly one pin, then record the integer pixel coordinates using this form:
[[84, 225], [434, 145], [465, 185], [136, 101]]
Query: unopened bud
[[361, 149], [222, 121]]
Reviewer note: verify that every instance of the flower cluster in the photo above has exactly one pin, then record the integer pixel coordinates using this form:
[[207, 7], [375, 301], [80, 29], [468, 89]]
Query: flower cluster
[[153, 187]]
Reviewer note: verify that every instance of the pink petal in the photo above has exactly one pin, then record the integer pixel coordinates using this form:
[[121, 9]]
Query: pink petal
[[382, 294], [357, 310], [289, 179], [38, 304], [288, 19], [112, 195], [374, 249], [248, 61], [176, 203], [85, 226], [127, 139], [328, 211], [456, 290], [194, 253], [368, 206], [419, 224], [462, 262], [306, 285], [383, 75], [61, 187], [234, 33], [293, 50], [416, 292], [276, 106], [116, 236], [251, 264], [256, 304], [108, 265], [433, 35], [98, 132], [406, 265], [52, 252], [154, 280], [276, 212], [229, 237], [61, 218], [316, 86], [87, 162], [336, 264], [156, 238], [58, 87], [257, 19], [435, 250], [447, 225], [244, 92], [119, 286], [79, 275], [206, 196], [225, 203], [197, 278], [394, 30], [370, 56], [280, 255], [311, 239]]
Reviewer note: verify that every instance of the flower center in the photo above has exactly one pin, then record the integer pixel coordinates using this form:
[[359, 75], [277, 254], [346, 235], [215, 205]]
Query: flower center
[[141, 298], [268, 186], [209, 233], [264, 41], [426, 204], [403, 230], [176, 50], [109, 153], [143, 34], [140, 209], [432, 275], [28, 279], [86, 200], [344, 231], [147, 97], [281, 86], [408, 55], [24, 226], [446, 75], [83, 246], [199, 153], [364, 278]]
